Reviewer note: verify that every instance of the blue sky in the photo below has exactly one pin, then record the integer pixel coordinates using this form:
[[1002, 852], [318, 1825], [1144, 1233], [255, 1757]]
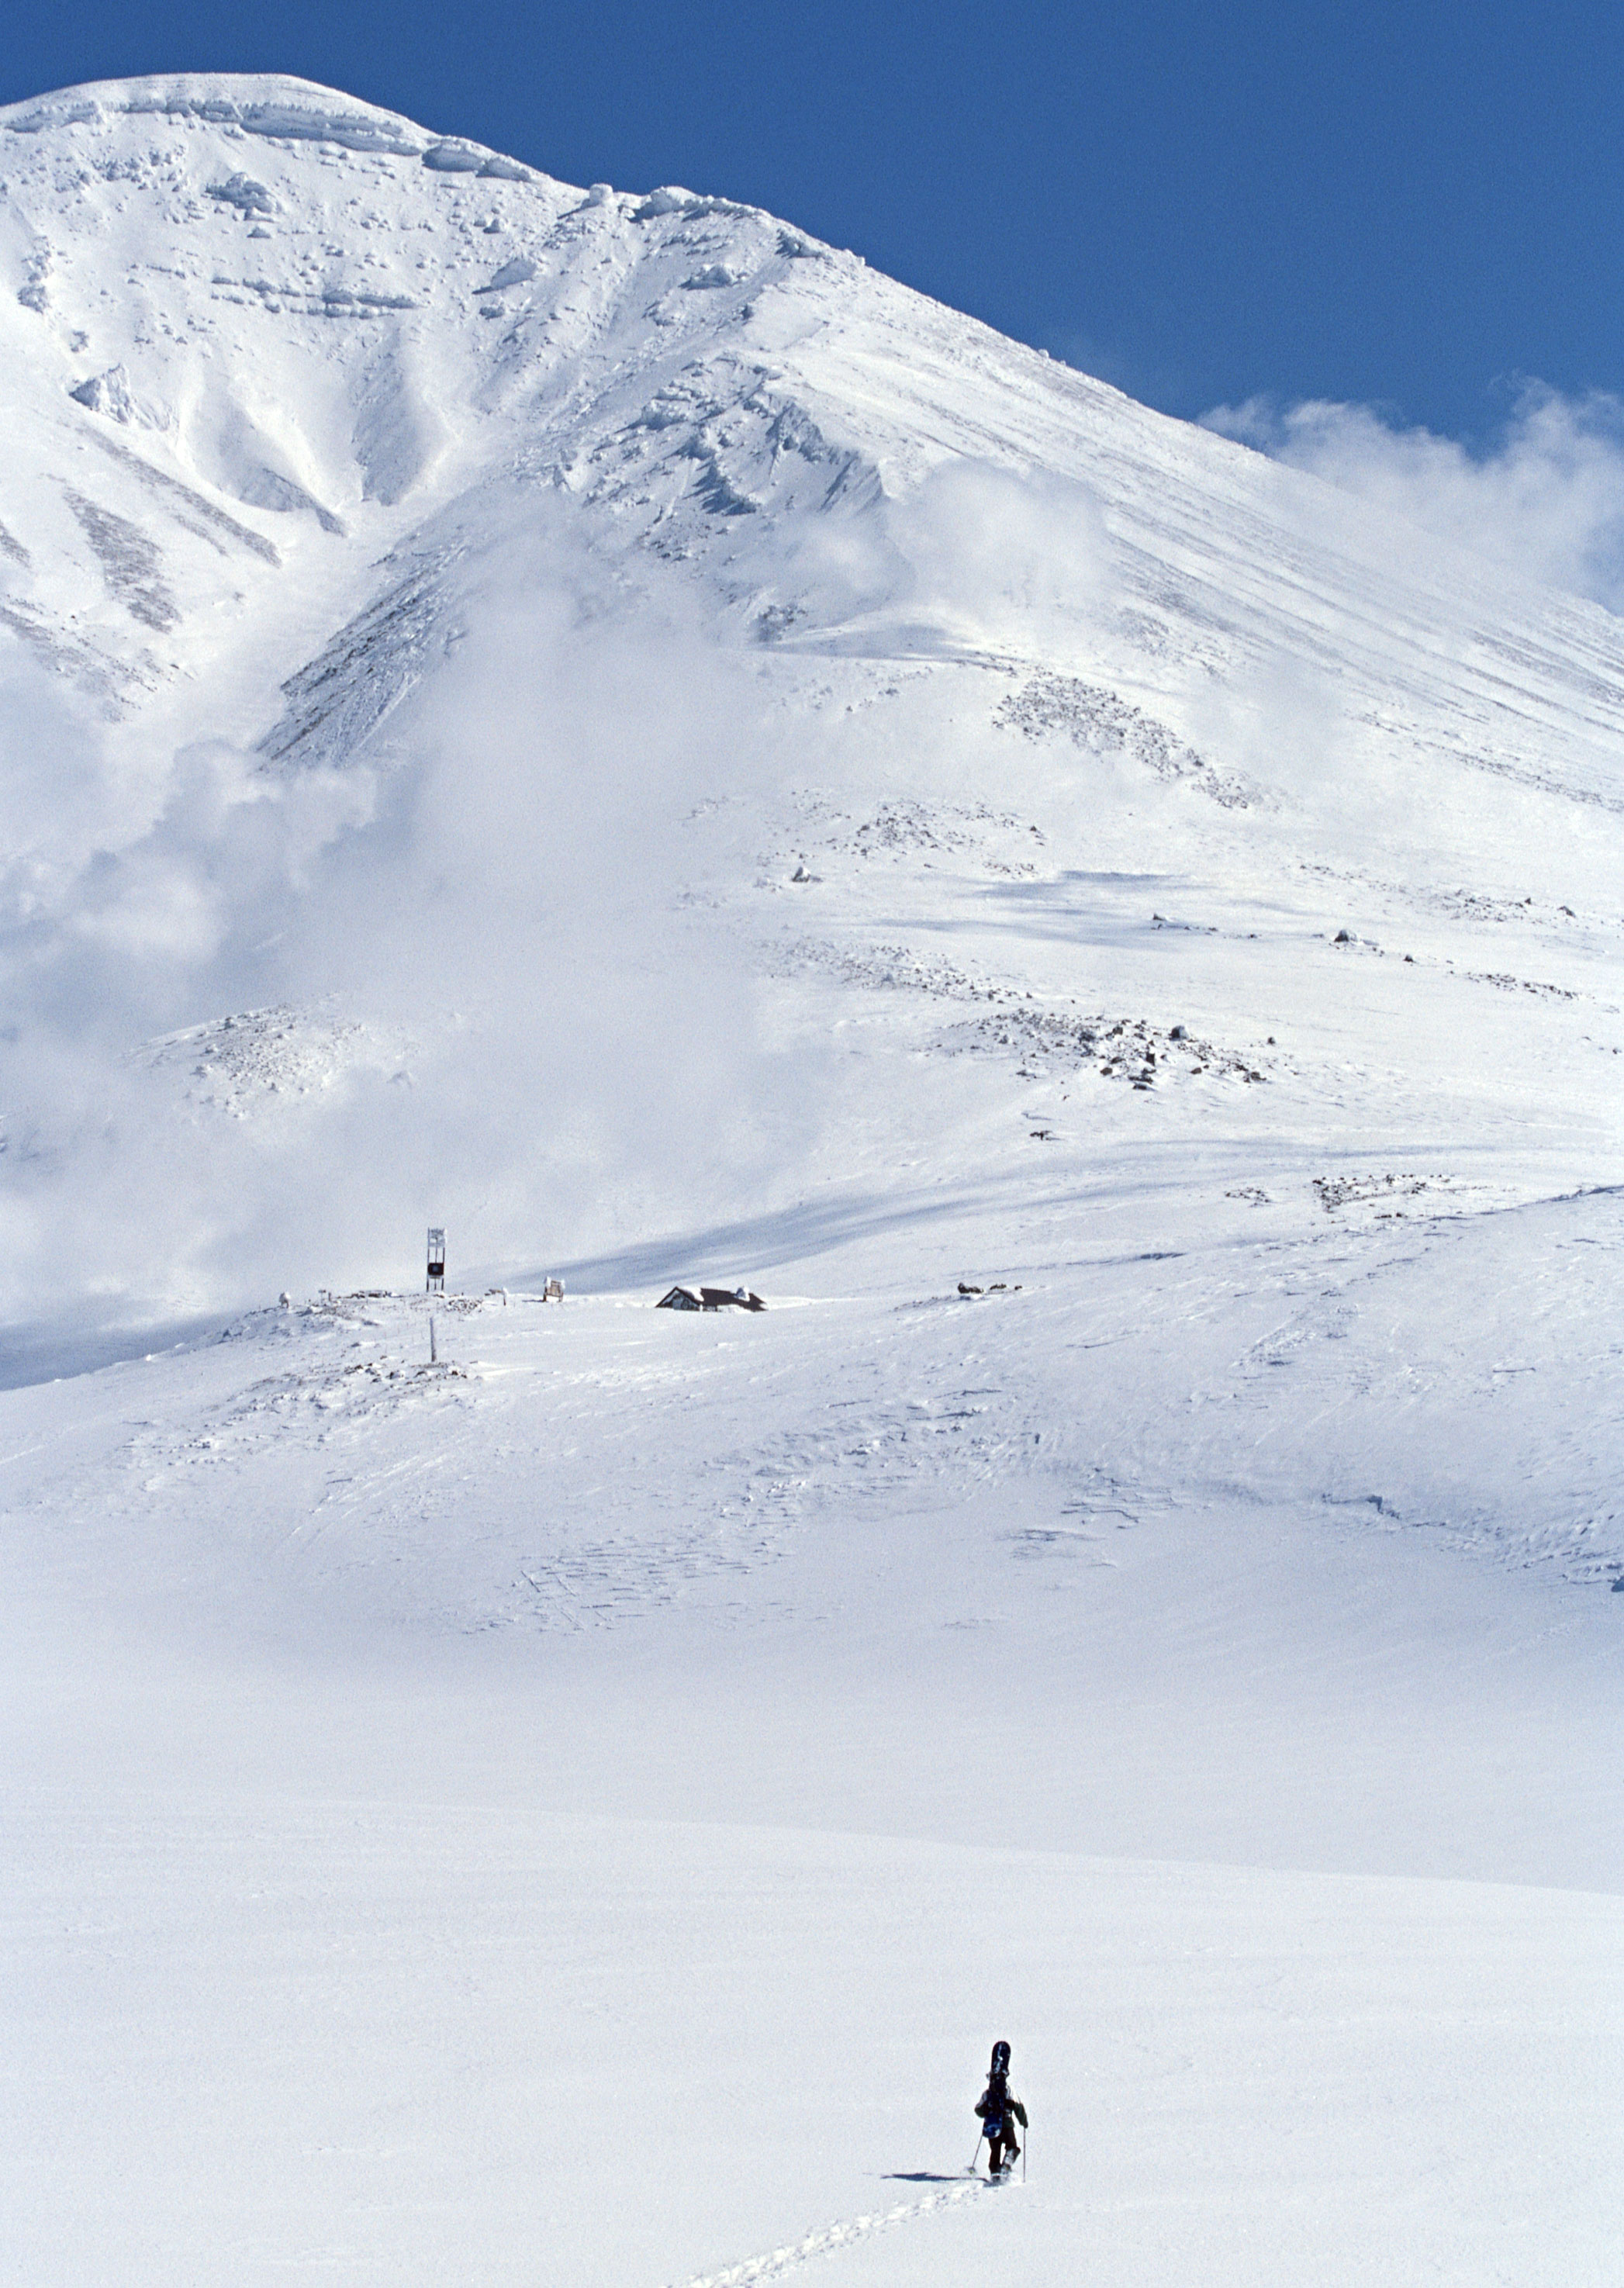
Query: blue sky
[[1416, 206]]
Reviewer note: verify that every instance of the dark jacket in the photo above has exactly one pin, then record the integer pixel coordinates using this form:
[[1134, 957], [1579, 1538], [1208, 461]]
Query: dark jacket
[[998, 2102]]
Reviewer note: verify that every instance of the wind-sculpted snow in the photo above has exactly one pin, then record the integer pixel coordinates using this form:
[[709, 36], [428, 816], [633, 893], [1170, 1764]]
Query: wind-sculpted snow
[[289, 114]]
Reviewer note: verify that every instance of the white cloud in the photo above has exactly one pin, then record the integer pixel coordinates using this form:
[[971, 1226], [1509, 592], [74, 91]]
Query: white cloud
[[1001, 556], [1545, 495], [973, 554], [499, 896]]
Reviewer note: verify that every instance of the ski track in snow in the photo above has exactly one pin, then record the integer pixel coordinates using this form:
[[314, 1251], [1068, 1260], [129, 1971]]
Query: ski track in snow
[[835, 2236]]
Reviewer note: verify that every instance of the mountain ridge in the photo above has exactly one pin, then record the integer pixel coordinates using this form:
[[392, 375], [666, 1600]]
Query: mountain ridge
[[577, 392]]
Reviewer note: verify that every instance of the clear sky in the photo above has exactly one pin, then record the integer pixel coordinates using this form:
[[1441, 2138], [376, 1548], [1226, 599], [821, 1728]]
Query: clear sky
[[1415, 205]]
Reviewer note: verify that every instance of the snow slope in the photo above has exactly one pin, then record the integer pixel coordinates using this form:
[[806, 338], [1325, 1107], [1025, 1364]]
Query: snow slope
[[594, 720]]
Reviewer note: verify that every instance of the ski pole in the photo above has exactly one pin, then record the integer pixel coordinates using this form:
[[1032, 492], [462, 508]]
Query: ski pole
[[1025, 2141], [976, 2156]]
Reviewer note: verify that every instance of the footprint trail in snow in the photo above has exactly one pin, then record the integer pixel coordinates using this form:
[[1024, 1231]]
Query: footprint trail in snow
[[780, 2261]]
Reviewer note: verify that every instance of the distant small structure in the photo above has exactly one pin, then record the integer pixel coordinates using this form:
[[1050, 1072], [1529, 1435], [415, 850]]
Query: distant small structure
[[722, 1298], [437, 1260], [710, 1298], [553, 1292]]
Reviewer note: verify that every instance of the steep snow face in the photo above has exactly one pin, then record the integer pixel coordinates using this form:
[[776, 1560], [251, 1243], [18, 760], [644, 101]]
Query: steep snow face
[[257, 334], [245, 318]]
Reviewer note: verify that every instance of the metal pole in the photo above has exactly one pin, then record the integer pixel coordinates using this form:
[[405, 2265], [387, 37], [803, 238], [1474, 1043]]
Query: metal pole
[[433, 1360]]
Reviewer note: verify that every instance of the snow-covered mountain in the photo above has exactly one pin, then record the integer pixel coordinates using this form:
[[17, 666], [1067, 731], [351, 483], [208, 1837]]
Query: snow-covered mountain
[[409, 498], [271, 354], [593, 719]]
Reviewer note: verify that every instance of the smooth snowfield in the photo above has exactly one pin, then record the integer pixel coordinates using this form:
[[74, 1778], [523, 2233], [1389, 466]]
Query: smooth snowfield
[[429, 2041], [574, 1808], [589, 718]]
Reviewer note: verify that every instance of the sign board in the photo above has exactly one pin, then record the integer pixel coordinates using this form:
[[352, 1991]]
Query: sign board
[[437, 1260]]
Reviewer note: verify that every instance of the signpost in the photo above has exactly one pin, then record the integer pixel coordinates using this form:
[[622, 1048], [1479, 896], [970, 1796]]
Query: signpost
[[437, 1261]]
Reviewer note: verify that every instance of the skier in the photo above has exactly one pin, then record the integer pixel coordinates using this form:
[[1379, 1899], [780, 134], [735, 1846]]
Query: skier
[[1000, 2110]]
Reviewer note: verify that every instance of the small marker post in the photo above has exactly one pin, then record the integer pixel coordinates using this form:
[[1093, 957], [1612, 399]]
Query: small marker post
[[433, 1356]]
